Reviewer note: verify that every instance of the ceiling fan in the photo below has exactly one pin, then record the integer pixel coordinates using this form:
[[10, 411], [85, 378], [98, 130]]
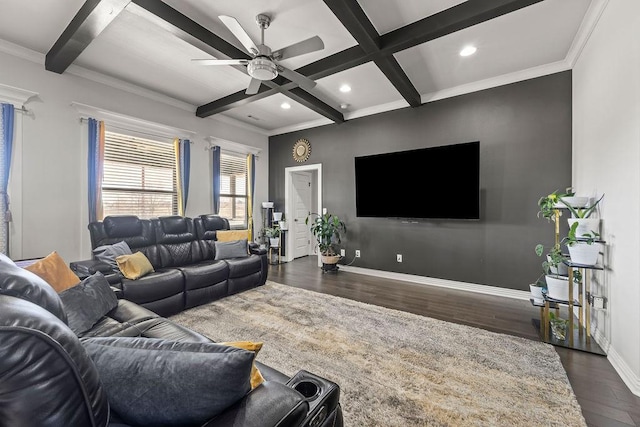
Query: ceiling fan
[[263, 63]]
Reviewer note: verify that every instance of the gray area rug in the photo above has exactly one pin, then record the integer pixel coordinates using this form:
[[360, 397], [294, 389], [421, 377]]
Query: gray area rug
[[396, 368]]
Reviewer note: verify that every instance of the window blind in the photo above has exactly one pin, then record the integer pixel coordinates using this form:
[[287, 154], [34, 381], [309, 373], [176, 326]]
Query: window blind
[[233, 188], [139, 177]]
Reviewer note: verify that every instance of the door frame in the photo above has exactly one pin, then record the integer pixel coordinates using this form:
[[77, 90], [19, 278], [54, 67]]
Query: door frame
[[316, 170]]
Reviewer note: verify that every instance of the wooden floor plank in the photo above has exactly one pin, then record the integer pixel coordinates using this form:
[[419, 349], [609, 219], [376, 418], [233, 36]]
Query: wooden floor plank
[[605, 400]]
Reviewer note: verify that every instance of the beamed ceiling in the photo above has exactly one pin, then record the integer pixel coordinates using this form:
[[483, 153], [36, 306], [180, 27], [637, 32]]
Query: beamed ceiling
[[393, 54]]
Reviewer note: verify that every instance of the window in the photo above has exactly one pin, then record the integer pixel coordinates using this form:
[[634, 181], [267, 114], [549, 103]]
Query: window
[[233, 188], [139, 177]]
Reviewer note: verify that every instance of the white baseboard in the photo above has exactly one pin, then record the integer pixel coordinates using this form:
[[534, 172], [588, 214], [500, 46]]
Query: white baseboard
[[622, 368], [451, 284]]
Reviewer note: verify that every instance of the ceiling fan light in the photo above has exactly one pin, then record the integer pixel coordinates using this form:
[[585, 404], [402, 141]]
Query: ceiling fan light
[[262, 69]]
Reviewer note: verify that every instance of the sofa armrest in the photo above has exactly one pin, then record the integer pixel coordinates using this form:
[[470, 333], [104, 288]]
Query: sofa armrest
[[270, 404], [86, 268], [255, 249]]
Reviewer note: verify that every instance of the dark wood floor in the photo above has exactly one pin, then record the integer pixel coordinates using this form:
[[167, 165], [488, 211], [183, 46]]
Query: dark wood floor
[[603, 396]]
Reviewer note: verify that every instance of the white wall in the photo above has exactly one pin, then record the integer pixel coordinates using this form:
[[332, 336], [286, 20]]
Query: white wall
[[606, 159], [53, 171]]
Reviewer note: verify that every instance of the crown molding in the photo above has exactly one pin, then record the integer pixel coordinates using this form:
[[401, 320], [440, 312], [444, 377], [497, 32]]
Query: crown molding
[[21, 52], [505, 79], [589, 22], [301, 126], [238, 123]]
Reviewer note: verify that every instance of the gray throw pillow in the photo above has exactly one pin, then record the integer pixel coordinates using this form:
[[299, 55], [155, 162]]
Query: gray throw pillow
[[232, 249], [109, 253], [158, 382], [87, 302]]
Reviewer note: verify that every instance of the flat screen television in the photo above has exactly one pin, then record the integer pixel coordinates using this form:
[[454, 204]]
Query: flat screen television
[[434, 182]]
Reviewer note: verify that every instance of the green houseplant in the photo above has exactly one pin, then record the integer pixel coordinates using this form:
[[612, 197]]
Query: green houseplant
[[327, 229], [273, 233], [548, 205], [584, 248]]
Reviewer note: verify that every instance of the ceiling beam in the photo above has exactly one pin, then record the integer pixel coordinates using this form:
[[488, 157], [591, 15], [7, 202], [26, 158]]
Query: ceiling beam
[[469, 13], [305, 98], [456, 18], [92, 18], [195, 34], [353, 18]]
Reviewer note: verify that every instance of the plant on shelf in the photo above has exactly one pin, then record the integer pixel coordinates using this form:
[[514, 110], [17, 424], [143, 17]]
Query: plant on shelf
[[327, 229], [583, 249], [273, 233], [584, 211], [548, 205]]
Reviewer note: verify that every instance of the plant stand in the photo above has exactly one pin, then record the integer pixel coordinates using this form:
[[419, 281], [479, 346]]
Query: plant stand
[[578, 329], [326, 268]]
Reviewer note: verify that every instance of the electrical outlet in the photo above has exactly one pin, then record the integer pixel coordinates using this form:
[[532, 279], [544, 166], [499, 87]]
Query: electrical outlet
[[342, 252], [357, 253], [399, 257], [598, 302]]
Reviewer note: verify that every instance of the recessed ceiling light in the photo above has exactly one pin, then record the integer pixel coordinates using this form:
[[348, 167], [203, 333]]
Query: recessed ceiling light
[[468, 50], [285, 105], [345, 88], [344, 106]]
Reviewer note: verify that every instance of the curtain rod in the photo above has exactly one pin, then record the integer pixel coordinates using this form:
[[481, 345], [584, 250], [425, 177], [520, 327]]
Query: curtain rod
[[84, 119]]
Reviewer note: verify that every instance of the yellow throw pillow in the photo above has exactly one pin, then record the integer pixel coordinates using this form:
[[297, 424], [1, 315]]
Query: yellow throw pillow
[[134, 266], [231, 235], [55, 271], [256, 376]]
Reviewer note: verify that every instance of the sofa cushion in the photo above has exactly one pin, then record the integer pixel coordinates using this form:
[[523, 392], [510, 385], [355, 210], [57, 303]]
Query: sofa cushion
[[55, 271], [21, 283], [240, 267], [122, 225], [47, 377], [198, 380], [256, 376], [230, 235], [109, 253], [87, 302], [134, 266], [232, 249]]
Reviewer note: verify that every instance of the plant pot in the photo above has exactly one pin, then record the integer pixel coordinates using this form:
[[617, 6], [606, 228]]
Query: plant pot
[[283, 225], [584, 254], [576, 201], [585, 225], [560, 270], [558, 328], [277, 216], [274, 242], [536, 293], [558, 288], [330, 259], [267, 205]]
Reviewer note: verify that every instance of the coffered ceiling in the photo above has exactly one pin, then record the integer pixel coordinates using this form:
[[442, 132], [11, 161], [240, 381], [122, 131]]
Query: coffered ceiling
[[392, 54]]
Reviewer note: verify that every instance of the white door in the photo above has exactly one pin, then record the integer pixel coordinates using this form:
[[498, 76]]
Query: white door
[[301, 209]]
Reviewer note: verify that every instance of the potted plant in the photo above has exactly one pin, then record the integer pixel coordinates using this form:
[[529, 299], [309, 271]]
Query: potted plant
[[581, 215], [585, 248], [548, 206], [273, 233], [556, 274], [327, 229]]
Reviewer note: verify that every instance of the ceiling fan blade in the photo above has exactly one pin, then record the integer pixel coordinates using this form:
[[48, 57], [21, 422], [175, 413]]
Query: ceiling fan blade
[[306, 46], [303, 81], [234, 26], [254, 85], [221, 61]]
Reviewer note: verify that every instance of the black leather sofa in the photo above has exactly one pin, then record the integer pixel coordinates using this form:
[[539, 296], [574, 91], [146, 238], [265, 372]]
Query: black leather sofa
[[47, 378], [182, 253]]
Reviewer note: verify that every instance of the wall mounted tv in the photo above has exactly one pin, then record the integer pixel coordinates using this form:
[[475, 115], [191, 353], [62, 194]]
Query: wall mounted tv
[[435, 183]]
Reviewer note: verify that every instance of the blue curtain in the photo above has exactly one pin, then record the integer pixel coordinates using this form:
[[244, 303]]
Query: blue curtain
[[92, 165], [7, 142], [185, 167], [216, 179]]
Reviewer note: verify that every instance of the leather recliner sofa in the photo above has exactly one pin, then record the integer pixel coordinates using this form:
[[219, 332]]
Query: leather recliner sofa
[[182, 252], [48, 380]]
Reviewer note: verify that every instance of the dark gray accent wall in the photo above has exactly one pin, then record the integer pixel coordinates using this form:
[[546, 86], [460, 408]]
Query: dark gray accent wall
[[524, 131]]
